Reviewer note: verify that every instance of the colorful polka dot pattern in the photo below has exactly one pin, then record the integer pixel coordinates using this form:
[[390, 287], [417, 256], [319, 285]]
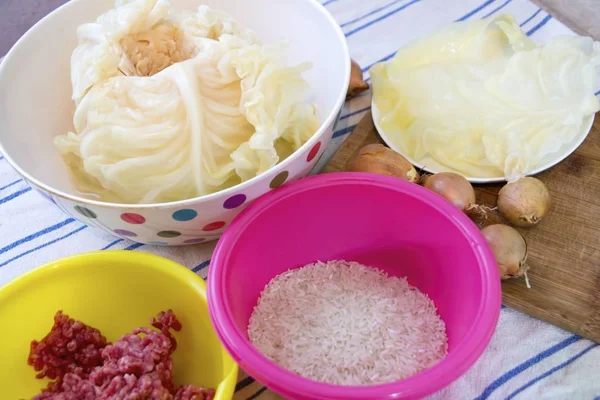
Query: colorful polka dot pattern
[[169, 234], [313, 152], [124, 232], [234, 201], [185, 215], [213, 226], [279, 179], [179, 215], [188, 214], [133, 218], [86, 212]]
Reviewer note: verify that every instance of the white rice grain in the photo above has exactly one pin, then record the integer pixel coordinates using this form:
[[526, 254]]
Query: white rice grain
[[344, 323]]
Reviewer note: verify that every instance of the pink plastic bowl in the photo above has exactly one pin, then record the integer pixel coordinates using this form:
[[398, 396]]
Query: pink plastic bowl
[[379, 221]]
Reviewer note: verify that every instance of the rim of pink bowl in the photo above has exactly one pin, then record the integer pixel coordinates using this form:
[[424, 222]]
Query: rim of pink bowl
[[456, 363]]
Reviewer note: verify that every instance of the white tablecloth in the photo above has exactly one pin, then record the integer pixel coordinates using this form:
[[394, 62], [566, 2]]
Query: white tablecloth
[[526, 358]]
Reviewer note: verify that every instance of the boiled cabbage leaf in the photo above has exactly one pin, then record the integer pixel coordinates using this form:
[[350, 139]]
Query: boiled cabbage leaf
[[483, 99], [173, 105]]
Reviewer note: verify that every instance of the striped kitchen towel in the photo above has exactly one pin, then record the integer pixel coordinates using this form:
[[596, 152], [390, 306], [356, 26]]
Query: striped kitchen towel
[[526, 358]]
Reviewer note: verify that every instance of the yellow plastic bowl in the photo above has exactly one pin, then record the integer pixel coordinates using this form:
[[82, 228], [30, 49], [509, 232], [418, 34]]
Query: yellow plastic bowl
[[116, 292]]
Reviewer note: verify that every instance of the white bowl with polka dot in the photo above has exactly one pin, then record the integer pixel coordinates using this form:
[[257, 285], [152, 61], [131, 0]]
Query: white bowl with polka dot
[[35, 93]]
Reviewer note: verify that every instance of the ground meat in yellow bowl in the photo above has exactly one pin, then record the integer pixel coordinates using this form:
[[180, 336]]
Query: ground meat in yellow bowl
[[85, 366]]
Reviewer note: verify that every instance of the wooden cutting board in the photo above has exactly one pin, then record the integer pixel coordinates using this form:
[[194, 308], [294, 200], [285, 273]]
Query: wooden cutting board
[[564, 250]]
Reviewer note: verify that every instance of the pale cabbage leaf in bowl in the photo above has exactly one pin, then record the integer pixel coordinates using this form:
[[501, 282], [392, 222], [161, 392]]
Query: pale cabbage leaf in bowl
[[172, 105], [483, 99]]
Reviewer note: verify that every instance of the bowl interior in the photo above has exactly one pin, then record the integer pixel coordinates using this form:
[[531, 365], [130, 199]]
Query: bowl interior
[[379, 221], [115, 292], [35, 87]]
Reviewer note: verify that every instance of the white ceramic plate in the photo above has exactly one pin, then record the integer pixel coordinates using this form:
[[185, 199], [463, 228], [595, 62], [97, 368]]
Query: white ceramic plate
[[432, 166]]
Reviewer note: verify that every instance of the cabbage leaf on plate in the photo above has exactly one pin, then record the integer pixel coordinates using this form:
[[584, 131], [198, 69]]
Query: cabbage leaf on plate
[[483, 99]]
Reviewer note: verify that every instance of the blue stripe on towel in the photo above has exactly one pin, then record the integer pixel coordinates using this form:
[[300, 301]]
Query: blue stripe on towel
[[475, 11], [43, 245], [532, 17], [550, 371], [10, 184], [497, 8], [201, 266], [36, 235], [360, 28], [370, 13], [14, 195], [368, 67], [523, 366], [244, 383], [258, 393], [355, 112], [134, 246], [329, 2], [344, 131], [108, 246], [538, 26]]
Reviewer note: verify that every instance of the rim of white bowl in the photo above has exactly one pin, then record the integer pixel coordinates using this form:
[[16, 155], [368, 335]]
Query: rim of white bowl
[[329, 120], [569, 148]]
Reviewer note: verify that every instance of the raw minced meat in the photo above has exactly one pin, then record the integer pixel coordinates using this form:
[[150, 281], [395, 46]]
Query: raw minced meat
[[70, 347], [138, 366]]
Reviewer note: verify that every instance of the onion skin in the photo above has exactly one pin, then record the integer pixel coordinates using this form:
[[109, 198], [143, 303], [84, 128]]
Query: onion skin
[[453, 187], [509, 248], [378, 159], [524, 203], [357, 84]]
